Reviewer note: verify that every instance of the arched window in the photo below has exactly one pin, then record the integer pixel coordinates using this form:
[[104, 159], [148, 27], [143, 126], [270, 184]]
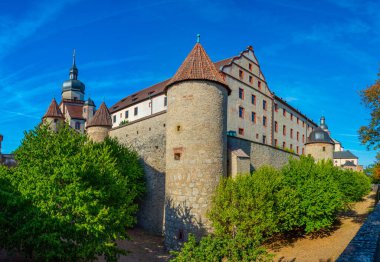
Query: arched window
[[77, 125]]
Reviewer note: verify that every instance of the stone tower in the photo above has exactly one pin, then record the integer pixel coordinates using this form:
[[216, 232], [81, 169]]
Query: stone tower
[[73, 89], [196, 145], [319, 143], [53, 116], [99, 126]]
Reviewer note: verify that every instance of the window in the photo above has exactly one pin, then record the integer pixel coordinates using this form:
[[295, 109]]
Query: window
[[165, 101], [264, 105], [303, 151], [283, 145], [253, 117], [241, 73], [114, 118], [275, 142], [284, 130], [303, 123], [259, 85], [291, 116], [178, 128], [241, 112], [84, 110], [241, 93], [298, 121], [77, 125], [324, 149], [264, 139], [303, 138], [250, 66], [276, 107], [291, 132], [150, 104], [298, 136], [297, 150], [264, 121], [136, 111], [126, 114], [283, 112], [177, 156], [253, 99], [121, 115], [291, 146], [275, 126], [251, 79], [241, 131], [257, 136]]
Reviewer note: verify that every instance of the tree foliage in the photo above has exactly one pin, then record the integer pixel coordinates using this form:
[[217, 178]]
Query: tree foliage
[[303, 196], [77, 197], [370, 134]]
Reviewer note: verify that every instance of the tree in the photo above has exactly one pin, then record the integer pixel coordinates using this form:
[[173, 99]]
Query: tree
[[370, 134], [81, 196]]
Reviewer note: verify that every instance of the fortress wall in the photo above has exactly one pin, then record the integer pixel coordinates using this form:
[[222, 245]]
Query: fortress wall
[[148, 137], [260, 154]]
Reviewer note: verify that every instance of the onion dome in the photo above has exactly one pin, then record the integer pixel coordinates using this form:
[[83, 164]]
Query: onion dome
[[102, 117], [323, 124], [318, 135], [73, 84], [53, 111], [198, 66], [89, 102]]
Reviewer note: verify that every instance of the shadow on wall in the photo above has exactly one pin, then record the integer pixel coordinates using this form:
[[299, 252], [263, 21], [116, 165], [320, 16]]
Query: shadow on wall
[[179, 223], [151, 213]]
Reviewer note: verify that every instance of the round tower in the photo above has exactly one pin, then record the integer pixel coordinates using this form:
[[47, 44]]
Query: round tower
[[73, 89], [196, 145], [99, 126], [319, 145], [53, 116]]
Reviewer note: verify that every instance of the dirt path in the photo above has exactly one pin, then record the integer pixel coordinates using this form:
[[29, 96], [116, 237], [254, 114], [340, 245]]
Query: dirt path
[[328, 248]]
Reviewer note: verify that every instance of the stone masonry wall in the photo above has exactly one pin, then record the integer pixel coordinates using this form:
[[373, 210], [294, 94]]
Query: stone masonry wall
[[365, 246], [260, 154], [97, 133], [148, 137]]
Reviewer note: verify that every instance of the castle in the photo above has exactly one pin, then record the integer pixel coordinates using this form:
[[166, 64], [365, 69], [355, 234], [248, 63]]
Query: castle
[[208, 121]]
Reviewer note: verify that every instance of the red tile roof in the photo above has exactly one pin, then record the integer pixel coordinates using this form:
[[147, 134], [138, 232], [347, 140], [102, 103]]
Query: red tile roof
[[197, 66], [157, 89], [142, 95], [102, 117], [75, 111], [53, 110]]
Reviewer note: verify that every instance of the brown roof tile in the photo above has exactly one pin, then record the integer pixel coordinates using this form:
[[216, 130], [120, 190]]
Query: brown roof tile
[[197, 66], [154, 90], [102, 117], [75, 111], [53, 110], [142, 95]]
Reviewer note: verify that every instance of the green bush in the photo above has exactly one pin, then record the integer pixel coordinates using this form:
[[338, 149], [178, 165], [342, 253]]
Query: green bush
[[303, 196], [213, 248], [354, 185], [80, 196]]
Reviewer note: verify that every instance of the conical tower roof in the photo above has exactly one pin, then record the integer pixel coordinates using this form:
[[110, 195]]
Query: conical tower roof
[[102, 117], [197, 66], [53, 110]]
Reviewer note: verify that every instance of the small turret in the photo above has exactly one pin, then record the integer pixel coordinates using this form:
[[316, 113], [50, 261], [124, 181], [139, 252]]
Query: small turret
[[53, 116], [99, 126], [88, 109], [319, 144]]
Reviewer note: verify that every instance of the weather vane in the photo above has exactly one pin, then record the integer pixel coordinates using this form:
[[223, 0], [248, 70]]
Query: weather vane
[[198, 38]]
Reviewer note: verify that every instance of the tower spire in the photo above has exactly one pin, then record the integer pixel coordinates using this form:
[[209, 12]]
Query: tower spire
[[74, 69], [74, 65]]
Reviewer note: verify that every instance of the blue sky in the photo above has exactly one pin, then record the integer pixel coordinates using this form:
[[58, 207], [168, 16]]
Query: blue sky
[[315, 54]]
